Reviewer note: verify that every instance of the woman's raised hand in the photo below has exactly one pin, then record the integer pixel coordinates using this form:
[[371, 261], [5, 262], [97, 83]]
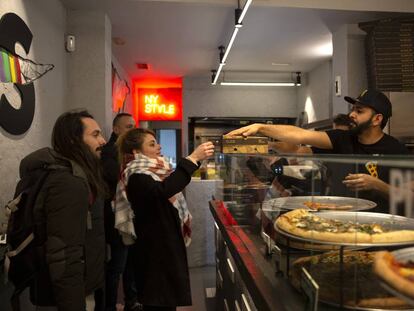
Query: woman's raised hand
[[203, 151]]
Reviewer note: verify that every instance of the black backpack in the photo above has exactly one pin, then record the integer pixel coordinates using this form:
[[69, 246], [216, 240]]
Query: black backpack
[[26, 237]]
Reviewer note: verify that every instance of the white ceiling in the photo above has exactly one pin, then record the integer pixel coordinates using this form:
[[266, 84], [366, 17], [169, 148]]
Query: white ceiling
[[181, 37]]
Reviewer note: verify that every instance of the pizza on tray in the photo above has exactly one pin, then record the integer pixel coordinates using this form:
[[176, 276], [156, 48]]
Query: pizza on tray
[[398, 274], [305, 224], [358, 286], [317, 206]]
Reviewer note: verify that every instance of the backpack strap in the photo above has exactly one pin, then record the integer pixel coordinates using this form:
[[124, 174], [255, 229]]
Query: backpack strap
[[12, 205], [21, 247]]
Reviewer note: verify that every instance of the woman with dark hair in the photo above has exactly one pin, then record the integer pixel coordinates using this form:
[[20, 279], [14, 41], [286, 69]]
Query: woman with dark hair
[[71, 215], [161, 223]]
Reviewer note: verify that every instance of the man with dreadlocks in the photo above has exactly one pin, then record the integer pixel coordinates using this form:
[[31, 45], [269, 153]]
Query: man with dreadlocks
[[73, 214]]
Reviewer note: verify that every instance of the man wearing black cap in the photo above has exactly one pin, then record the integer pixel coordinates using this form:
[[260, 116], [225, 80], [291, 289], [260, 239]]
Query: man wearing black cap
[[370, 113]]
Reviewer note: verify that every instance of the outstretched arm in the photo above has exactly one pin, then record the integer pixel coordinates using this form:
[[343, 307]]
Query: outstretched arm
[[286, 133]]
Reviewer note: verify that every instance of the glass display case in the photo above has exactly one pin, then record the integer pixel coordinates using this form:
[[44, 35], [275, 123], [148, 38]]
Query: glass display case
[[308, 232]]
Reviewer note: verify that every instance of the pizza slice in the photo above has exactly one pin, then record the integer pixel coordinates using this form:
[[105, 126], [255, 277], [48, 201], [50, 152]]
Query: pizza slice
[[317, 206], [398, 274]]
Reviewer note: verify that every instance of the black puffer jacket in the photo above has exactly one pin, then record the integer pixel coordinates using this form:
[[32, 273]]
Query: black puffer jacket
[[111, 171], [75, 245]]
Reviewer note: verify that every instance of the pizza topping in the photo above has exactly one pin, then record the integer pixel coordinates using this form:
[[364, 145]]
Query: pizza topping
[[352, 258], [404, 269], [312, 222]]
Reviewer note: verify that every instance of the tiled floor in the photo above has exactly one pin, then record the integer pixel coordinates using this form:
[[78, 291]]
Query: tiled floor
[[201, 279]]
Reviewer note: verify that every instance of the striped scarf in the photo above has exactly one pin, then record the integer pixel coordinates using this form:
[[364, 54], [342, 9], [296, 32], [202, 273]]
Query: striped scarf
[[158, 169]]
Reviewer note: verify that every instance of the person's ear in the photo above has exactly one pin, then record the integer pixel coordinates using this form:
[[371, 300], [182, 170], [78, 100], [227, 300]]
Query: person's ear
[[116, 130], [377, 120]]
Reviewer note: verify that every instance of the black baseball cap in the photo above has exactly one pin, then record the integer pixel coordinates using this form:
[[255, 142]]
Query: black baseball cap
[[373, 99]]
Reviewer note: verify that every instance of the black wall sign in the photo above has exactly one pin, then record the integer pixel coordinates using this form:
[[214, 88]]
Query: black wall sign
[[16, 121]]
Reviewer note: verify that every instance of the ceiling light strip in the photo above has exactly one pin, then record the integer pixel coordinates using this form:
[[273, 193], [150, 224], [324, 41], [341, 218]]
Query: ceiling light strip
[[245, 8], [233, 36], [217, 73], [258, 83]]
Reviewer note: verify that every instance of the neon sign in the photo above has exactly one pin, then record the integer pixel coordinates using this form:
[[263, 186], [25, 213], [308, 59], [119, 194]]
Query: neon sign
[[159, 104], [152, 106]]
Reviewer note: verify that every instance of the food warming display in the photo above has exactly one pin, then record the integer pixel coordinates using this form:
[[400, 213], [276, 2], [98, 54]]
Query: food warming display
[[301, 242]]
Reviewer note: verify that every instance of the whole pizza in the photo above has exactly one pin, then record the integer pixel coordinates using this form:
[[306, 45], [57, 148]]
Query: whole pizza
[[357, 286], [305, 224], [398, 274]]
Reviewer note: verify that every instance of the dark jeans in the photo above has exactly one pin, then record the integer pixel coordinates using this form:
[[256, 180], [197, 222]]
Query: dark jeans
[[99, 300], [128, 282], [115, 267]]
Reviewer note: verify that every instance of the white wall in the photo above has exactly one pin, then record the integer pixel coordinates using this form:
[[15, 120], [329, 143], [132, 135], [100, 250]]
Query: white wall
[[340, 68], [201, 99], [47, 21], [349, 64], [357, 70], [401, 123], [89, 67], [315, 96]]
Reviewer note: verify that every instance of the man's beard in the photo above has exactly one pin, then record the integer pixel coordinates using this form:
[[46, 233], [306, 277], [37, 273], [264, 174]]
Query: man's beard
[[98, 152], [360, 128]]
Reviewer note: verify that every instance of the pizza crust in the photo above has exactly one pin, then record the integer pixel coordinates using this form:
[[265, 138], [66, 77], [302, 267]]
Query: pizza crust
[[394, 236], [382, 267], [383, 303]]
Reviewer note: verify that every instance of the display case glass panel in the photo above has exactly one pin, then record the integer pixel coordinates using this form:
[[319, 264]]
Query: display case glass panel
[[327, 225]]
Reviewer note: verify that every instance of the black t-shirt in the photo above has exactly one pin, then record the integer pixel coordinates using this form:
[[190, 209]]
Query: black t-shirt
[[344, 142]]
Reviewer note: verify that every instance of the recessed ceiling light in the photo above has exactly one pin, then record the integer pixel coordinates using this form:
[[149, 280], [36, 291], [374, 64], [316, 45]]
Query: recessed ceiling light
[[118, 41], [280, 64], [143, 66]]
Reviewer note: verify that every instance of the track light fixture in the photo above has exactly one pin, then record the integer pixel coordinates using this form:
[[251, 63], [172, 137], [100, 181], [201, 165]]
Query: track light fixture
[[213, 75], [244, 11], [298, 78], [258, 83], [294, 81], [217, 72], [239, 15], [221, 55]]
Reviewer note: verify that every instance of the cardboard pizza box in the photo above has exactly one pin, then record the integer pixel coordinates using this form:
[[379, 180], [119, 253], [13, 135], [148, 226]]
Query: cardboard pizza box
[[243, 145]]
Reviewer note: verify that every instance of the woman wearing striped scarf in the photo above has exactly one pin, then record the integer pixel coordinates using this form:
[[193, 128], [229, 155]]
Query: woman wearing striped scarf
[[152, 215]]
